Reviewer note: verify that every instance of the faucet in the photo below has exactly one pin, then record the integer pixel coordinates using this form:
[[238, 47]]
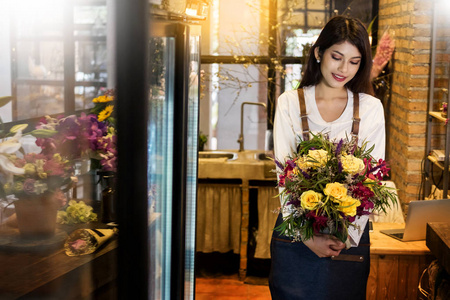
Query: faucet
[[241, 136]]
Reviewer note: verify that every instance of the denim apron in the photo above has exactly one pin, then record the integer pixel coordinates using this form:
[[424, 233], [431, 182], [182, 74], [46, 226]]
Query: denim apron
[[298, 273]]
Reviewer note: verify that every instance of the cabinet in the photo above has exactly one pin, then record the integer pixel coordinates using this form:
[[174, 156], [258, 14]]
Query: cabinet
[[435, 117], [58, 56]]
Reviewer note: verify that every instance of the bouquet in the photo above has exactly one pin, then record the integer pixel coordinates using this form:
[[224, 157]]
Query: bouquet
[[41, 174], [80, 136], [76, 212], [327, 185]]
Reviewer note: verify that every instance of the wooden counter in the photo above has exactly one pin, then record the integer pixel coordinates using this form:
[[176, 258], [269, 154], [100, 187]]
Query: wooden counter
[[395, 266], [54, 275]]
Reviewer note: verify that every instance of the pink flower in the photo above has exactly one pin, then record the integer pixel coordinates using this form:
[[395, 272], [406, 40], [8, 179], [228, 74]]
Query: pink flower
[[28, 186], [78, 244]]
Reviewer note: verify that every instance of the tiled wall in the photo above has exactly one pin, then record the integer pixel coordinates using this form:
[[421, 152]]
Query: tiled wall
[[410, 21]]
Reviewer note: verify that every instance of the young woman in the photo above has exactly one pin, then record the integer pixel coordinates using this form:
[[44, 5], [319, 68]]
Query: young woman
[[335, 90]]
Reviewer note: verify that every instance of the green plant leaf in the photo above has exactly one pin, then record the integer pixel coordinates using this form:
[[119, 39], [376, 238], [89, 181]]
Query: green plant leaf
[[369, 28]]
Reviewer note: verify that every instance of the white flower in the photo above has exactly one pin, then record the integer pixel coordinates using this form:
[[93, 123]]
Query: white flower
[[7, 147]]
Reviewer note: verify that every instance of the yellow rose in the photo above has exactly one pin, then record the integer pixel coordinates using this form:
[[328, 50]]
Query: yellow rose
[[351, 164], [348, 206], [302, 163], [310, 200], [320, 158], [336, 190]]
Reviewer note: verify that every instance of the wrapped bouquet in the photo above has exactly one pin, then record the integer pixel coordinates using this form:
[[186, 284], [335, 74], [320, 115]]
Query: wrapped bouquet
[[328, 185]]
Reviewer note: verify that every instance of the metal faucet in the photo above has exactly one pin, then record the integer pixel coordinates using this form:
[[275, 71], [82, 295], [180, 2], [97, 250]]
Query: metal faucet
[[241, 136]]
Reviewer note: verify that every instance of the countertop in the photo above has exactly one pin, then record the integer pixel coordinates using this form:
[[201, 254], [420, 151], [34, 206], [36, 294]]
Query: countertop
[[382, 244]]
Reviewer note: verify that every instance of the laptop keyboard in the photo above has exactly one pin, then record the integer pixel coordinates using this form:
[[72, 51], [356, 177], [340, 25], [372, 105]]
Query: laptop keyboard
[[398, 235]]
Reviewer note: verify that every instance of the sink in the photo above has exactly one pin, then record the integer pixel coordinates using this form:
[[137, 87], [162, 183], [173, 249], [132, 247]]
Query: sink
[[262, 156], [217, 154]]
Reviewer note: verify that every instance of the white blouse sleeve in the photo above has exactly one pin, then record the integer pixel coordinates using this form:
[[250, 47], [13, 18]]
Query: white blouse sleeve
[[373, 129], [284, 136]]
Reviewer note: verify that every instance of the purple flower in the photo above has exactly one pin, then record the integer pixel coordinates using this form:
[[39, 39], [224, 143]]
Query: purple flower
[[339, 147]]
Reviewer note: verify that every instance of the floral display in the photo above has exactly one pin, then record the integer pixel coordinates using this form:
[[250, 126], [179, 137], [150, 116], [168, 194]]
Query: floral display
[[87, 241], [86, 136], [103, 106], [327, 185], [41, 174], [383, 54], [76, 212]]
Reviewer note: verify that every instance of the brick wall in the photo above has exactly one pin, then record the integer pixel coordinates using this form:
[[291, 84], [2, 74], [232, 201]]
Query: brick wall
[[410, 20]]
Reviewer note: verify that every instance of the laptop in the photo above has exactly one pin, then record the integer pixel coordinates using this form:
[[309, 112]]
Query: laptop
[[419, 214]]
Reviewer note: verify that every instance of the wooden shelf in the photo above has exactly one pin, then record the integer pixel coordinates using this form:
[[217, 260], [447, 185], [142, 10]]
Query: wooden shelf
[[436, 162], [438, 241]]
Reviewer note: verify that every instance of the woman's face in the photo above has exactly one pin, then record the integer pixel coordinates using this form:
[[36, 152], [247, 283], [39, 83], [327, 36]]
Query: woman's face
[[339, 64]]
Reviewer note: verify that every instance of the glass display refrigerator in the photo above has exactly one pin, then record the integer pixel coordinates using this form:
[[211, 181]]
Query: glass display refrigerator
[[174, 60]]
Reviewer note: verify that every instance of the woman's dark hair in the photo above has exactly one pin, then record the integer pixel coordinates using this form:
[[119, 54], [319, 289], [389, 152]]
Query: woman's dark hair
[[338, 30]]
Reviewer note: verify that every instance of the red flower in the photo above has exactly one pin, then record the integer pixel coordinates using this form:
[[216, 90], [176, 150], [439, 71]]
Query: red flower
[[319, 222]]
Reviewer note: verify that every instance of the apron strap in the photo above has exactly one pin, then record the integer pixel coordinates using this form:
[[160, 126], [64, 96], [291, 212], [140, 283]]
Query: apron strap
[[303, 115], [356, 118]]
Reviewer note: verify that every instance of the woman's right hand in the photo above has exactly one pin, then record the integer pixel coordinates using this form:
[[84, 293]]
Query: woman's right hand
[[324, 245]]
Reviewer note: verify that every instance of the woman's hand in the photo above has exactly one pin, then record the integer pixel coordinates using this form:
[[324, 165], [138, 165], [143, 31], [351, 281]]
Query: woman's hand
[[324, 245]]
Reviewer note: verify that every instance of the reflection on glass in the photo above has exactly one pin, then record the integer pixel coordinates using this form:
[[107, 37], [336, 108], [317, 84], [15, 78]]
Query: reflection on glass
[[191, 185], [160, 168], [39, 100]]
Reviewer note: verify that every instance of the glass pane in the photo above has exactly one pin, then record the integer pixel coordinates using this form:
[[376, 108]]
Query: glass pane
[[316, 20], [39, 18], [229, 86], [37, 100], [90, 61], [84, 96], [318, 4], [231, 33], [40, 60], [57, 217], [191, 185], [293, 77], [90, 20], [160, 154]]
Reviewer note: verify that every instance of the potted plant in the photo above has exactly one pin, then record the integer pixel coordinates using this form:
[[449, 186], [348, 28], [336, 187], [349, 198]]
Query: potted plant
[[39, 192]]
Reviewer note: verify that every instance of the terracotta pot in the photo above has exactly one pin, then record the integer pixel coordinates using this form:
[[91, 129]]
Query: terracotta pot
[[36, 216]]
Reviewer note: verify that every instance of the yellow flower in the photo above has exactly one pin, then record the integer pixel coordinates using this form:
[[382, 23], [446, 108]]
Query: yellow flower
[[104, 114], [39, 164], [302, 163], [336, 190], [348, 206], [18, 186], [310, 200], [320, 158], [351, 164], [103, 99], [8, 187], [30, 169], [370, 183]]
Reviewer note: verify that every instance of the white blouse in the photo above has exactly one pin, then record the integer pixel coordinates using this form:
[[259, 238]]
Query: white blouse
[[287, 129]]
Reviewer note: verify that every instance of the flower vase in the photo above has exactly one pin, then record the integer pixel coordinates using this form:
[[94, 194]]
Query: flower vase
[[36, 216], [108, 206]]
